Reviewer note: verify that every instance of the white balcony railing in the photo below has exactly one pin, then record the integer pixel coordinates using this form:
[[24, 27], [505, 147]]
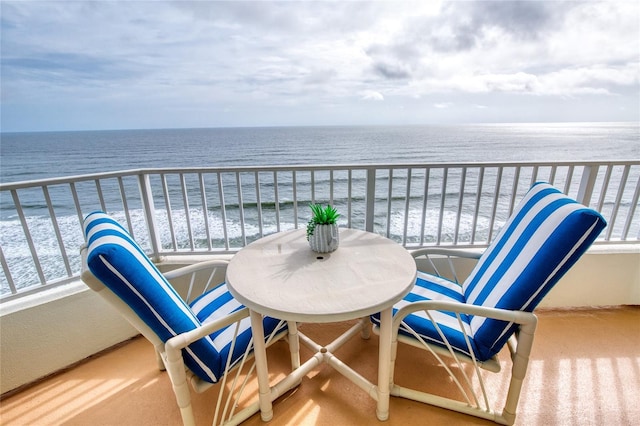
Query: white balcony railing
[[220, 210]]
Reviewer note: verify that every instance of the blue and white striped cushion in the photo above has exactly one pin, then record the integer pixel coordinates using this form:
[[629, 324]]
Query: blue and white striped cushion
[[430, 287], [218, 303], [117, 260], [544, 237]]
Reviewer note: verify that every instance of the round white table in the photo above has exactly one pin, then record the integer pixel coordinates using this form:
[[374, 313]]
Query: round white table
[[280, 276]]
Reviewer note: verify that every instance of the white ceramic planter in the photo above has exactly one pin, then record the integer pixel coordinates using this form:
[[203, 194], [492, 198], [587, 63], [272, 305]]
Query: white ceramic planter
[[325, 238]]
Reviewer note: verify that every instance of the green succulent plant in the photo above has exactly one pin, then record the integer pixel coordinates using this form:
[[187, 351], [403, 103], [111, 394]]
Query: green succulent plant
[[321, 216]]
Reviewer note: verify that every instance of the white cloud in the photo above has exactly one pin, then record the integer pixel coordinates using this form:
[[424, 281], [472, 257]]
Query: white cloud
[[597, 79], [371, 95]]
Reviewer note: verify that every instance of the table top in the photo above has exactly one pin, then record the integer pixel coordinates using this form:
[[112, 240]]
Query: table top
[[280, 276]]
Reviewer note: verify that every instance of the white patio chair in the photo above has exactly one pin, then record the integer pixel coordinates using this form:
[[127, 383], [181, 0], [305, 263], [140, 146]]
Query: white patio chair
[[470, 322], [199, 342]]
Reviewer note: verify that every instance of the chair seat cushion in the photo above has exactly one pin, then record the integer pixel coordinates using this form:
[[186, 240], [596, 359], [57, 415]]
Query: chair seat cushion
[[430, 287], [218, 303]]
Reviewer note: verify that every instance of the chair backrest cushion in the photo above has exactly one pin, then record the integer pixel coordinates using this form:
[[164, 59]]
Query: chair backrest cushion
[[543, 238], [117, 260]]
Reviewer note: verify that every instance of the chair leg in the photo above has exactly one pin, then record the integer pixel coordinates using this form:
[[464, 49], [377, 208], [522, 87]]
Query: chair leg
[[160, 361], [520, 361], [177, 374]]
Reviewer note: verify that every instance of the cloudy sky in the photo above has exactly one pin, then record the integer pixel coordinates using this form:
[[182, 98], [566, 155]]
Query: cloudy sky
[[76, 65]]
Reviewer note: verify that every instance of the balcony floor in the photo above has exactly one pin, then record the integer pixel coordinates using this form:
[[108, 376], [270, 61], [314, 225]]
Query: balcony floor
[[584, 370]]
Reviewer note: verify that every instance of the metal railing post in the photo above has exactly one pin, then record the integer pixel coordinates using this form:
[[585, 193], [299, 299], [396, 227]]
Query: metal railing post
[[587, 182], [370, 199], [146, 196]]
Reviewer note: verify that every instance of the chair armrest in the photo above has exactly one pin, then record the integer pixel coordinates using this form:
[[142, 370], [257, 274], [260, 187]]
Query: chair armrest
[[447, 252], [439, 258], [518, 317], [203, 277], [183, 340], [189, 269]]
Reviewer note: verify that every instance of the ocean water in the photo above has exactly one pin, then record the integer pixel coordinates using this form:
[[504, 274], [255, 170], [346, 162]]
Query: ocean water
[[29, 156]]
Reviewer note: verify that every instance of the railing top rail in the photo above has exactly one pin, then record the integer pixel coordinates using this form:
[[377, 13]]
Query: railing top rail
[[7, 186]]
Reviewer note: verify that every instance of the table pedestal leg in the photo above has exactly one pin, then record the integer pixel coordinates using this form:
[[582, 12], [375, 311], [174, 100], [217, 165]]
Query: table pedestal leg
[[366, 328], [384, 364], [260, 354], [294, 344]]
